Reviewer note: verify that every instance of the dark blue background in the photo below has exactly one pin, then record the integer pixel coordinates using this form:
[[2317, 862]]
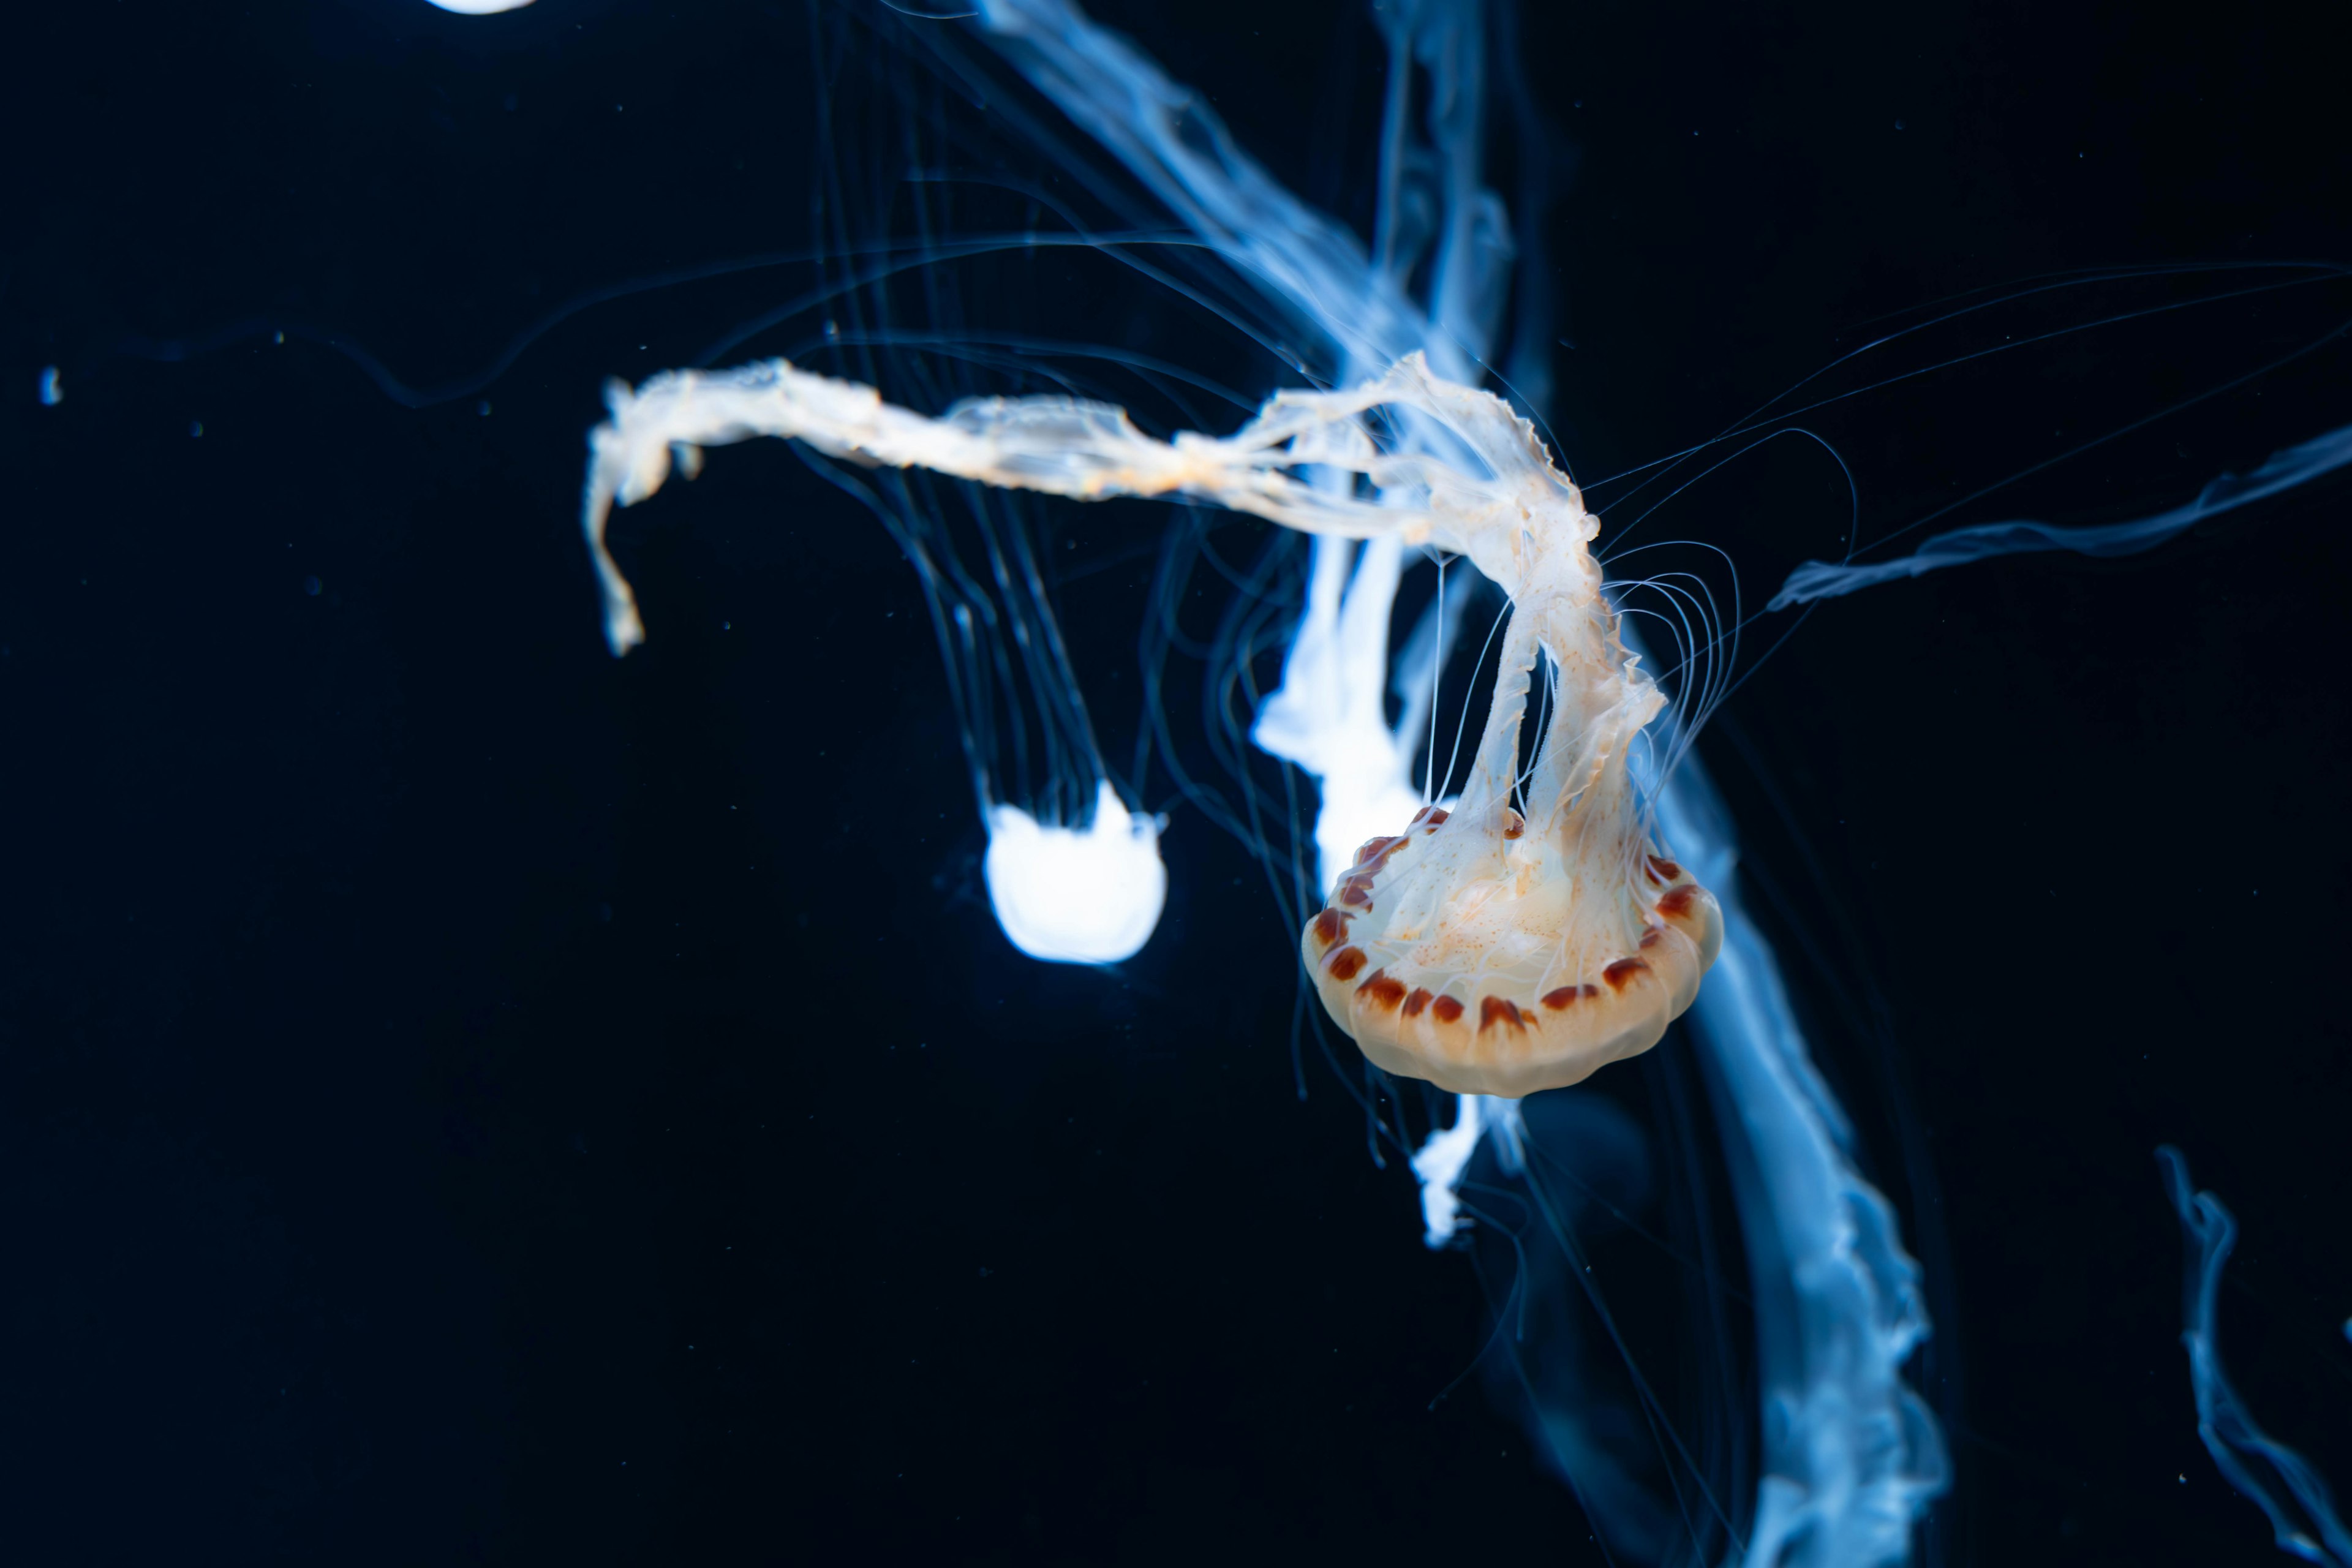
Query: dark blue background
[[464, 1100]]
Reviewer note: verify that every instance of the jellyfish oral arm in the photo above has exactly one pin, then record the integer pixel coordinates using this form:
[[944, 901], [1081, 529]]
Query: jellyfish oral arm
[[1490, 502]]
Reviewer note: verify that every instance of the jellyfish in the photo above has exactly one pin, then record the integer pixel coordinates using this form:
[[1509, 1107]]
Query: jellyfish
[[1495, 951]]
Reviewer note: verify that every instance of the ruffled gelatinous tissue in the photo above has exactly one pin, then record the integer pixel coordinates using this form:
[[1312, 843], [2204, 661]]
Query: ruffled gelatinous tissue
[[1522, 941], [1493, 950]]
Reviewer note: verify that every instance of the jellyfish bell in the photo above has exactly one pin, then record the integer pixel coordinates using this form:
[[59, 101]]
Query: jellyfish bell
[[1086, 894], [1497, 952], [1490, 973]]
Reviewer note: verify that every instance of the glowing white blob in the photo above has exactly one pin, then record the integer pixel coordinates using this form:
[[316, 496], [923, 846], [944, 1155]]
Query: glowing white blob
[[1329, 715], [1446, 1155], [479, 7], [1329, 718], [1075, 895]]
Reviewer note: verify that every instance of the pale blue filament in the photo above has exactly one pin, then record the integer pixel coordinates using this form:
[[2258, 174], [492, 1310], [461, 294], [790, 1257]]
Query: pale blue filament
[[2304, 1520], [2280, 471]]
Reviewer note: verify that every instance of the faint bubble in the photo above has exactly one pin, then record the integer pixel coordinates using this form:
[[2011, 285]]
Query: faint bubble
[[310, 586], [52, 392]]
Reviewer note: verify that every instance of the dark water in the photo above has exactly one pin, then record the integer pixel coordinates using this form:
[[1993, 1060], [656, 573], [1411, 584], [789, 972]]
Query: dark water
[[466, 1099]]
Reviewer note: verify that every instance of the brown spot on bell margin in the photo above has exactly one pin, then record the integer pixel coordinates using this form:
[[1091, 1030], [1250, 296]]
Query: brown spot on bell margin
[[1430, 817], [1329, 927], [1663, 871], [1446, 1008], [1514, 823], [1381, 990], [1346, 963], [1621, 973], [1569, 994], [1650, 937], [1419, 1000], [1356, 892], [1495, 1010], [1678, 901], [1372, 847]]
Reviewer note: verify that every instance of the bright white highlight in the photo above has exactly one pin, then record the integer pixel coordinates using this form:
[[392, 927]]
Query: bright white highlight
[[1077, 895], [479, 7], [1329, 716], [1446, 1155]]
